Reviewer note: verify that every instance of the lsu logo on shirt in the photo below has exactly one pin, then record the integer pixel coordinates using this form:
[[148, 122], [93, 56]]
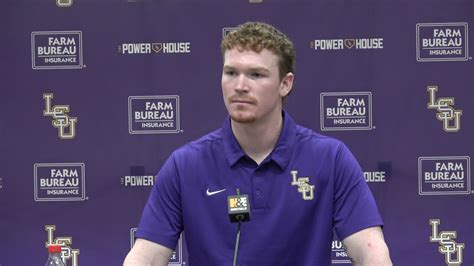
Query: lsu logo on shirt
[[303, 185]]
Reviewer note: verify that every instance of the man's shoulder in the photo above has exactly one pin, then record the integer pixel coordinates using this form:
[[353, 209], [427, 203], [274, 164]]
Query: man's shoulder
[[308, 136], [202, 144]]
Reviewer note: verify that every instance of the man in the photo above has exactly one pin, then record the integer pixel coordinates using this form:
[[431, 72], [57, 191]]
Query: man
[[300, 184]]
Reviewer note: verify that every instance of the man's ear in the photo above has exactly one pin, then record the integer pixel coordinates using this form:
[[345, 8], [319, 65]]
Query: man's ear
[[286, 84]]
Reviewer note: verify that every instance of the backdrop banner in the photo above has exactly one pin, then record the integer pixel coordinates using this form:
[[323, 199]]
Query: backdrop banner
[[97, 94]]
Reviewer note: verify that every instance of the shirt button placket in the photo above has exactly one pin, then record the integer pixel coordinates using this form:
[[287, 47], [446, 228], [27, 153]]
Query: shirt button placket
[[257, 190]]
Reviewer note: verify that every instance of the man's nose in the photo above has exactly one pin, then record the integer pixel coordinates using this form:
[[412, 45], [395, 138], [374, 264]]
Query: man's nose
[[242, 83]]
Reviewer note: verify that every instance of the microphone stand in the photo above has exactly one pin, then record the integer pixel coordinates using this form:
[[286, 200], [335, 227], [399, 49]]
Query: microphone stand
[[237, 239], [239, 217]]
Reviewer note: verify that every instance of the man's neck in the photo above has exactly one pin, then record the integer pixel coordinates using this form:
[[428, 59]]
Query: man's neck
[[258, 139]]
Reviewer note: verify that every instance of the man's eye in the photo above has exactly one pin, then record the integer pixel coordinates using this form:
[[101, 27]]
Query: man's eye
[[257, 75]]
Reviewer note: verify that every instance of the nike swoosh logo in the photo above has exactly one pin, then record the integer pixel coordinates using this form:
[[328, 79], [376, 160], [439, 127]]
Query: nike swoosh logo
[[210, 193]]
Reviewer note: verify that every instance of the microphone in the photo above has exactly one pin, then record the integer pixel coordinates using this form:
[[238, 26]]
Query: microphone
[[239, 211], [239, 208]]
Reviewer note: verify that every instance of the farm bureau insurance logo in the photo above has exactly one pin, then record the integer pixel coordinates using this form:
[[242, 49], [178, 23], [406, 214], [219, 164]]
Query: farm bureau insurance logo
[[444, 175], [155, 48], [56, 50], [338, 252], [442, 42], [446, 113], [346, 111], [349, 43], [452, 251], [67, 253], [177, 255], [153, 114], [59, 181]]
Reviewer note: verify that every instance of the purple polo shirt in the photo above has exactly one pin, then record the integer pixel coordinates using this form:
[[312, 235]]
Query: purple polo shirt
[[307, 186]]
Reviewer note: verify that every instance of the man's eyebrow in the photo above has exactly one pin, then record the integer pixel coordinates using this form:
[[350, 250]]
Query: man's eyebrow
[[259, 69], [251, 69], [228, 67]]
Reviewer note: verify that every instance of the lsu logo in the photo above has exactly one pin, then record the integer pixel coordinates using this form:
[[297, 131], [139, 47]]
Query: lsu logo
[[67, 253], [61, 120], [306, 190], [64, 3], [450, 117], [452, 251]]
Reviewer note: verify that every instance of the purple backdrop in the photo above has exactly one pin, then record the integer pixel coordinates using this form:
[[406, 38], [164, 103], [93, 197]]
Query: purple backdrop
[[97, 94]]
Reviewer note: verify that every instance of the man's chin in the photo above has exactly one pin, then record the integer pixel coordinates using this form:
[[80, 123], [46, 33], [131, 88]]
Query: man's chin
[[242, 118]]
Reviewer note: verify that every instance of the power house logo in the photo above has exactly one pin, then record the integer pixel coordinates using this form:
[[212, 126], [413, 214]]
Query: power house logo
[[153, 114], [56, 50], [67, 253], [444, 175], [452, 251], [177, 255], [346, 111], [155, 48], [59, 182], [375, 177], [347, 44], [138, 181], [442, 42]]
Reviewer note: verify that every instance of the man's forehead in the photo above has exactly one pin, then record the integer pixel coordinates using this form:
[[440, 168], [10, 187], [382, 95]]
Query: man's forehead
[[243, 49], [263, 58]]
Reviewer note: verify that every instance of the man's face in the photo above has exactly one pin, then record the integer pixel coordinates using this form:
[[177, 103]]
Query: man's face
[[251, 85]]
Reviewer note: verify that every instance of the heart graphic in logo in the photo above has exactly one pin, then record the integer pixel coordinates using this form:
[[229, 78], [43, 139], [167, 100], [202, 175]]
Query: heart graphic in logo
[[349, 43], [156, 47]]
